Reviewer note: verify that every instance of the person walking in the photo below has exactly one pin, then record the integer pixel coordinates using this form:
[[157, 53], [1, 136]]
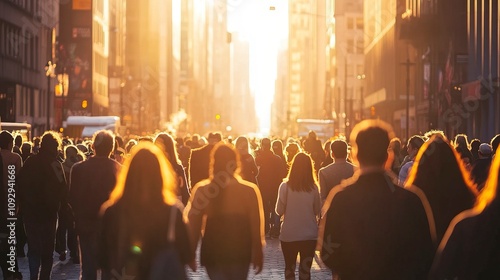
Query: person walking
[[374, 229], [331, 175], [43, 189], [91, 183], [299, 204], [232, 208], [272, 170], [143, 235], [249, 169]]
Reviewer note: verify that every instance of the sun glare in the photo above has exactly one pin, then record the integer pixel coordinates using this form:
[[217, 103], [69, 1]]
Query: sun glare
[[264, 25]]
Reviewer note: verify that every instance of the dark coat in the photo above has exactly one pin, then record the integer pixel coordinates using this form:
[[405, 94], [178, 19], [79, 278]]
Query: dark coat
[[43, 188], [271, 173], [91, 183], [119, 236], [199, 164], [375, 229], [249, 169]]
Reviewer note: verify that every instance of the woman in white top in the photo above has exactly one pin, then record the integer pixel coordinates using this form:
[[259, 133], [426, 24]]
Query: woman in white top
[[299, 203]]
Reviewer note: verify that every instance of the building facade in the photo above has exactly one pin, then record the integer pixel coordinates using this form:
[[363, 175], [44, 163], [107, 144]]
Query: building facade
[[28, 32]]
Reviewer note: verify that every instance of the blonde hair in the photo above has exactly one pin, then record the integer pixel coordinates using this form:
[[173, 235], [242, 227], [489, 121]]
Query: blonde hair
[[146, 179]]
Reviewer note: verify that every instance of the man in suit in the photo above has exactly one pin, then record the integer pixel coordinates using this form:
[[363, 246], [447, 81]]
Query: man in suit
[[374, 228], [332, 174], [200, 159]]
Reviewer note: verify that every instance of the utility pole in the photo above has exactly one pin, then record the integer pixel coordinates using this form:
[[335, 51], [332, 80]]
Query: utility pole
[[408, 64]]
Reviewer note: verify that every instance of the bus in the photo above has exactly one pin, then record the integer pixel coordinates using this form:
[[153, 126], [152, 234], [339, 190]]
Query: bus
[[324, 129], [24, 129], [86, 126]]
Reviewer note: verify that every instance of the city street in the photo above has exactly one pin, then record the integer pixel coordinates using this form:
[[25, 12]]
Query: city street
[[273, 267]]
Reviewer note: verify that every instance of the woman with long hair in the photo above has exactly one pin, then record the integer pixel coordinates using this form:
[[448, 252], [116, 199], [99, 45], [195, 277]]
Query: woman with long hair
[[249, 169], [232, 208], [167, 143], [142, 220], [470, 248], [299, 204], [440, 174]]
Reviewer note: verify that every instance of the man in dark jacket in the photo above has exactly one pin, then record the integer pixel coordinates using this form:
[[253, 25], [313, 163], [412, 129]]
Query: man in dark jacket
[[375, 229], [91, 183], [43, 189], [200, 160], [272, 170]]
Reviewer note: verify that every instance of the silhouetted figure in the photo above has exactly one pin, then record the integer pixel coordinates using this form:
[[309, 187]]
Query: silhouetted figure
[[373, 228], [328, 158], [43, 189], [91, 183], [66, 222], [495, 141], [10, 166], [470, 249], [271, 174], [184, 152], [440, 174], [462, 146], [312, 146], [143, 235], [166, 142], [474, 148], [395, 147], [299, 204], [414, 144], [481, 167], [234, 230], [200, 159], [26, 150], [331, 175], [249, 169], [277, 147]]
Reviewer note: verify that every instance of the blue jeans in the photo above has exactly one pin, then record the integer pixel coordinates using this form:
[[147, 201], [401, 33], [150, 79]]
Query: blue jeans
[[228, 272], [41, 241]]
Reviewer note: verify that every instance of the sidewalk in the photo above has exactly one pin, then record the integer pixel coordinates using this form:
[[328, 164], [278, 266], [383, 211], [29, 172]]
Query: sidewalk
[[273, 267]]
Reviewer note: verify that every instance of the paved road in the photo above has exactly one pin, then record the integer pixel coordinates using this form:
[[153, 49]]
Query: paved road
[[273, 267]]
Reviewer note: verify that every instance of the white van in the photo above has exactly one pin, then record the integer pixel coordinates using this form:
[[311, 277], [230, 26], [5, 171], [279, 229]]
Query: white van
[[85, 126]]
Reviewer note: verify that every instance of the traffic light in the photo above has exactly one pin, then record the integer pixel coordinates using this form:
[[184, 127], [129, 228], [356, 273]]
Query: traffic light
[[372, 111], [217, 116], [84, 104]]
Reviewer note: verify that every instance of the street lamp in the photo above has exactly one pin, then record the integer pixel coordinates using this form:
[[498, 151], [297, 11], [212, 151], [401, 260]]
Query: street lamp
[[50, 73], [122, 85]]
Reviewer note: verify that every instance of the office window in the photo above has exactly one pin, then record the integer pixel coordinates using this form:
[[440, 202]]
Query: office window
[[359, 47], [359, 23], [350, 46]]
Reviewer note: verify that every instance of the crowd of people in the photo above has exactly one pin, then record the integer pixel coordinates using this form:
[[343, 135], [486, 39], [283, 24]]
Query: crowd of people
[[374, 207]]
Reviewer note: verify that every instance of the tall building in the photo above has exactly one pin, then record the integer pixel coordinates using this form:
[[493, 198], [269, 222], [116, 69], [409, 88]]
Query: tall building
[[306, 60], [28, 31], [279, 112], [348, 62], [83, 53], [242, 112]]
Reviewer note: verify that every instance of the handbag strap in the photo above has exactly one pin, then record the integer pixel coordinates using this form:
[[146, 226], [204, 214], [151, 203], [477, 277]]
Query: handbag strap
[[171, 225]]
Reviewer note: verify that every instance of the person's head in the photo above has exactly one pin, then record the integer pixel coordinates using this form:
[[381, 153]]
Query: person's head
[[6, 140], [242, 145], [485, 151], [338, 149], [224, 162], [18, 140], [146, 180], [370, 141], [414, 144], [166, 142], [428, 135], [277, 147], [474, 146], [214, 138], [103, 143], [312, 135], [395, 145], [50, 143], [130, 144], [301, 176], [265, 144], [26, 148], [71, 153], [494, 142], [291, 150], [461, 141]]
